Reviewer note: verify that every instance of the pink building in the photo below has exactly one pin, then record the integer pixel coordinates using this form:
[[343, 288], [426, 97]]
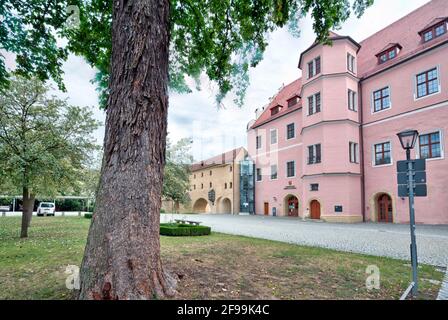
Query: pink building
[[326, 147]]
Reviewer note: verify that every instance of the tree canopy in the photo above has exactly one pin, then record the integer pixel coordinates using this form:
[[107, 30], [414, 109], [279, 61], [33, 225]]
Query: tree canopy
[[222, 38], [45, 143], [176, 181]]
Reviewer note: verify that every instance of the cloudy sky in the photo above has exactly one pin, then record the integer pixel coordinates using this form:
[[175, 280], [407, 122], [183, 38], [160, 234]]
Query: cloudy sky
[[217, 130]]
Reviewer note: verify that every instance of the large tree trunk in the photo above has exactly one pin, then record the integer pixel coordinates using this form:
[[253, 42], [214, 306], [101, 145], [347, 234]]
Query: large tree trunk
[[122, 255], [27, 213]]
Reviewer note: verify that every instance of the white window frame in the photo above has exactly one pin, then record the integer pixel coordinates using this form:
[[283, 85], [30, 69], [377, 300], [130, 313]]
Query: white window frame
[[276, 136], [295, 169], [314, 104], [355, 100], [256, 143], [439, 79], [314, 146], [442, 144], [372, 100], [391, 154], [313, 61], [351, 62], [293, 137], [256, 175], [353, 152], [276, 169]]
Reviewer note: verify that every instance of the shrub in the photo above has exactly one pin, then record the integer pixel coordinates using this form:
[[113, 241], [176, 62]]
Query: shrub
[[88, 215], [162, 210], [183, 230]]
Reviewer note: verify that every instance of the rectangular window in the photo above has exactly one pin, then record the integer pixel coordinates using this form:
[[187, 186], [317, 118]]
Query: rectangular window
[[428, 36], [382, 153], [314, 187], [314, 104], [351, 100], [259, 176], [273, 136], [434, 32], [211, 185], [274, 172], [230, 185], [290, 131], [314, 154], [275, 110], [350, 63], [314, 67], [354, 152], [429, 146], [292, 102], [440, 30], [290, 169], [258, 142], [427, 83], [381, 99]]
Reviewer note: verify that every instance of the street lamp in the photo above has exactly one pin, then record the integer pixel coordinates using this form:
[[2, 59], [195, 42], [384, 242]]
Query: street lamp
[[407, 140]]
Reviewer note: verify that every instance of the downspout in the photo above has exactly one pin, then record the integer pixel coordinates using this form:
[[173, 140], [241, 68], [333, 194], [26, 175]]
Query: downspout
[[361, 153]]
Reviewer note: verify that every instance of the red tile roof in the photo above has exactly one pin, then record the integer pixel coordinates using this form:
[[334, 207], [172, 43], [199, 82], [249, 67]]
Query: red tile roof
[[224, 158], [281, 98], [406, 32]]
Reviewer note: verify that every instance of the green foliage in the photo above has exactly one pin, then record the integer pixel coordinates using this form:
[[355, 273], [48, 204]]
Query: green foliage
[[221, 38], [88, 215], [176, 181], [45, 144], [183, 230], [29, 29]]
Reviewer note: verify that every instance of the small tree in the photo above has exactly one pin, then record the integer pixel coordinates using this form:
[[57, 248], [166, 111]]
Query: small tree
[[176, 182], [44, 142]]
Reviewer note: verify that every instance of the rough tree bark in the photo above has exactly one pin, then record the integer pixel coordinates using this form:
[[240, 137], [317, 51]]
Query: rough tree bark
[[27, 213], [122, 255]]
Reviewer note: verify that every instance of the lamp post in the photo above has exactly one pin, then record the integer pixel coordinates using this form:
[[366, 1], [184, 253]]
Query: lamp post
[[407, 140]]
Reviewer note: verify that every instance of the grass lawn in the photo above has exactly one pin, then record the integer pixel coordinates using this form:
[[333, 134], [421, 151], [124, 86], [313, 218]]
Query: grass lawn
[[218, 266]]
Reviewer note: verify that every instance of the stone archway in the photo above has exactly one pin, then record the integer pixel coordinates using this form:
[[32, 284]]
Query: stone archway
[[225, 206], [201, 206], [291, 205]]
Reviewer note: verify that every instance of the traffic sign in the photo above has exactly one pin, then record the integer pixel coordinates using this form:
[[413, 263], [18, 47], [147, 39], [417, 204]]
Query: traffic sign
[[419, 177], [420, 190], [417, 165]]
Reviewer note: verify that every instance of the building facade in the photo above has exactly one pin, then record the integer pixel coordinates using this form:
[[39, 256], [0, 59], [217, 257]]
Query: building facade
[[215, 183], [326, 146]]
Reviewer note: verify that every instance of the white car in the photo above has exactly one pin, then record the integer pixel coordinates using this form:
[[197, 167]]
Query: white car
[[46, 209]]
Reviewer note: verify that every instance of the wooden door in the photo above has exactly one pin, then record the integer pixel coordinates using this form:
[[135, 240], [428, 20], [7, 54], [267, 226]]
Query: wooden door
[[384, 206], [315, 209], [266, 208]]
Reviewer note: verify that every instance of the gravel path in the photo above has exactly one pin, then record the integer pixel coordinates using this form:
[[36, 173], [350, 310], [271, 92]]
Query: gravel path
[[389, 240]]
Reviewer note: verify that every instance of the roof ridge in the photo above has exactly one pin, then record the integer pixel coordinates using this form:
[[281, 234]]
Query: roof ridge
[[397, 21]]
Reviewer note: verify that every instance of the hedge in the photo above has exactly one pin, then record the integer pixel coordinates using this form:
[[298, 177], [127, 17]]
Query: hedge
[[183, 230], [88, 215]]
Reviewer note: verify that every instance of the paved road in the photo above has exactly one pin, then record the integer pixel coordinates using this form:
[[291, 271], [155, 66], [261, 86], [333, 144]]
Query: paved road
[[389, 240]]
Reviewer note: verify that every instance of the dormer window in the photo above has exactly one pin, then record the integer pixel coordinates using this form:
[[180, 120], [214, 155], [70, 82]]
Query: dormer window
[[438, 29], [275, 110], [390, 53], [293, 101]]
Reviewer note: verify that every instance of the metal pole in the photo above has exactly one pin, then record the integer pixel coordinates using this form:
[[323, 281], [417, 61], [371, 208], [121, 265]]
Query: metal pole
[[412, 223]]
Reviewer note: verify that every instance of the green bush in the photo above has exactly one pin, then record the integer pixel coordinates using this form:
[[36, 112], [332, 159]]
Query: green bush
[[162, 210], [183, 230], [88, 215]]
